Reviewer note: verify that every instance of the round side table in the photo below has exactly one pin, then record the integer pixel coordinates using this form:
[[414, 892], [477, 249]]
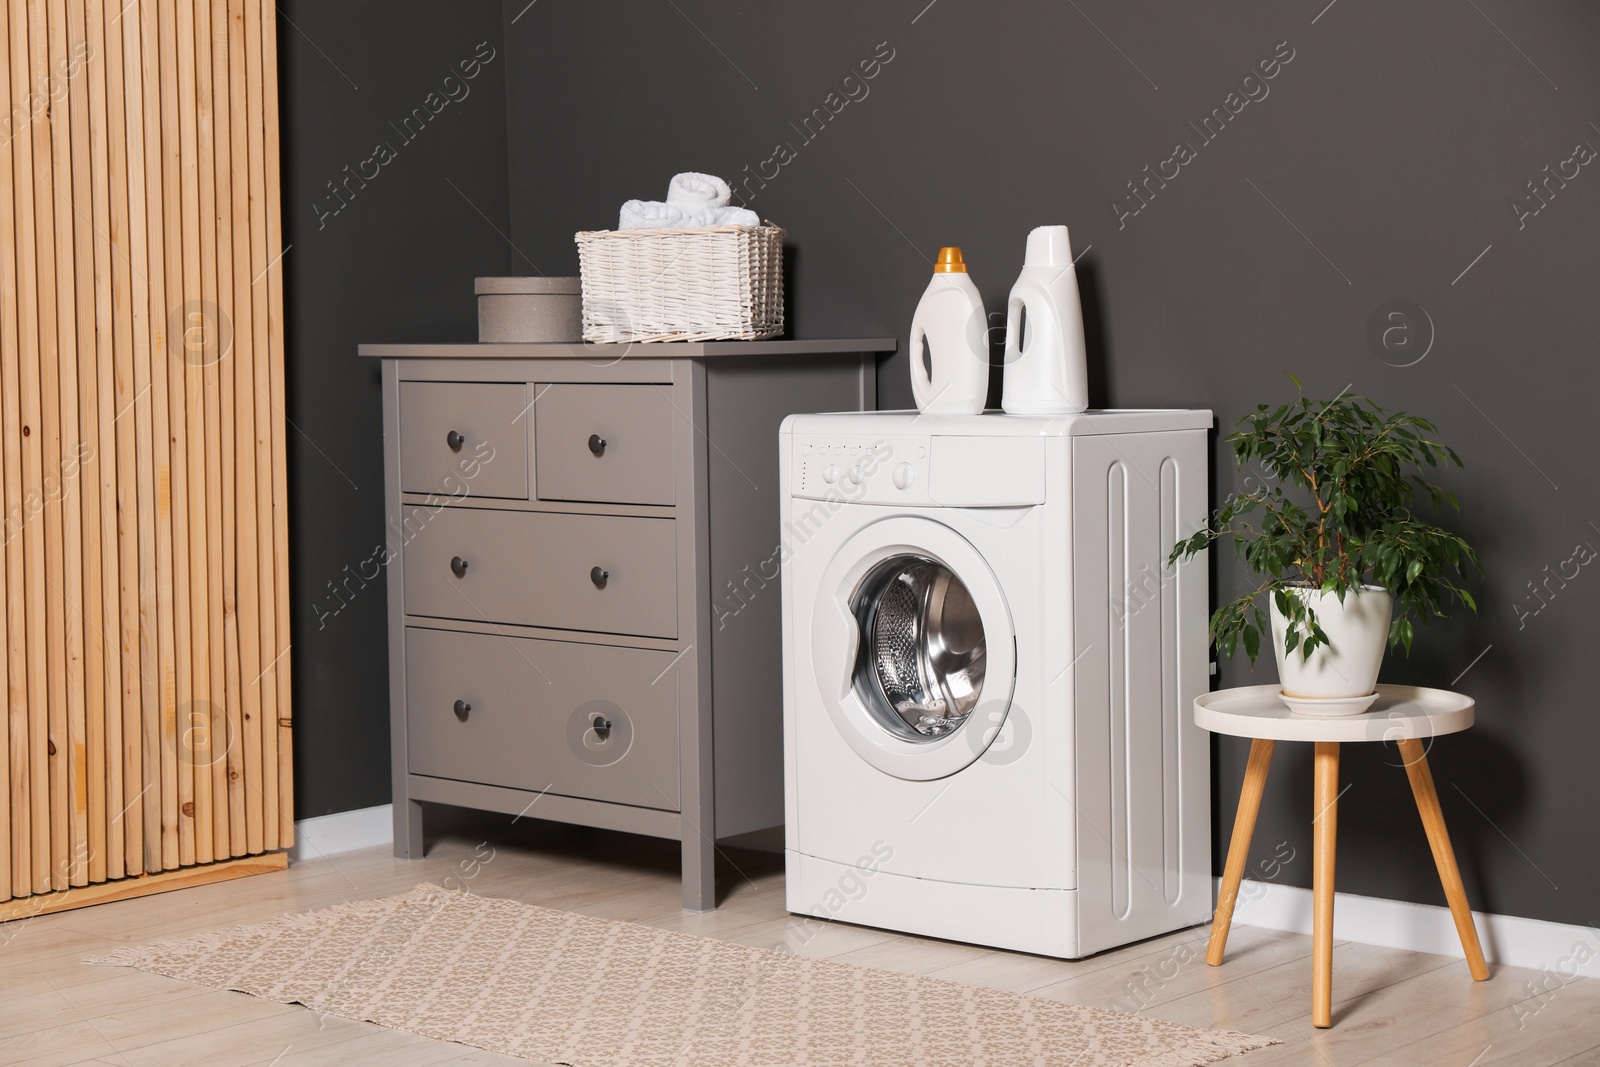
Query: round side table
[[1403, 714]]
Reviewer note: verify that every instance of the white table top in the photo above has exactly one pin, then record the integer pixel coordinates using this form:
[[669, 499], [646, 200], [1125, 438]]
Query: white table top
[[1401, 712]]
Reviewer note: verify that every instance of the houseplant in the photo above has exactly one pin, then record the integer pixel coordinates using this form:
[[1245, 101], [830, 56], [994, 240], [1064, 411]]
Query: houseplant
[[1331, 535]]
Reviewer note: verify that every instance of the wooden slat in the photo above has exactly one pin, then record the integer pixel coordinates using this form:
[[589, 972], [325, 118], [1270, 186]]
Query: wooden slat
[[280, 463], [33, 538], [162, 733], [178, 812], [245, 551], [222, 85], [217, 737], [100, 468], [261, 257], [64, 597], [70, 759], [29, 738], [29, 727], [86, 723], [194, 784], [150, 676], [127, 821], [63, 579], [49, 430], [13, 786]]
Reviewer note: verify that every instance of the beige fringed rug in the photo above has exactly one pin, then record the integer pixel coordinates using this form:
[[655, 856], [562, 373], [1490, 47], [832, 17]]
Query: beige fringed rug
[[570, 989]]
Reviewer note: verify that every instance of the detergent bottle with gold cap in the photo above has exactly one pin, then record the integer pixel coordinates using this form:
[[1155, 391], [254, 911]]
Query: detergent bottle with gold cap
[[949, 342]]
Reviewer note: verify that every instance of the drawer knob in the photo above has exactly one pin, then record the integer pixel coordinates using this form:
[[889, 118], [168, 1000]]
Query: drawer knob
[[462, 710], [454, 440], [458, 565], [597, 444], [602, 727], [598, 576]]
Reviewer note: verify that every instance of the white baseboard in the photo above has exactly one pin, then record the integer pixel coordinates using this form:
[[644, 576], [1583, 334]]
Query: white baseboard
[[1562, 949], [347, 831], [343, 831]]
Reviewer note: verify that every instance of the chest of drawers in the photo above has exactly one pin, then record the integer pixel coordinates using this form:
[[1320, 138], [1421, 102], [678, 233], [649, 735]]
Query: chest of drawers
[[584, 618]]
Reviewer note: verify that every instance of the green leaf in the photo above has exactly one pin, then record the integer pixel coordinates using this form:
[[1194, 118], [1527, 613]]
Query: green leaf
[[1252, 642]]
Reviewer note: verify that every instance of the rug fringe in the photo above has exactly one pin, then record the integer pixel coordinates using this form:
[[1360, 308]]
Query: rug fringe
[[1209, 1046], [138, 955], [127, 956]]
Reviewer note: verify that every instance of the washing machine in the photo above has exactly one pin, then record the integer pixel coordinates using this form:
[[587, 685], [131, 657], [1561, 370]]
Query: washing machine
[[988, 674]]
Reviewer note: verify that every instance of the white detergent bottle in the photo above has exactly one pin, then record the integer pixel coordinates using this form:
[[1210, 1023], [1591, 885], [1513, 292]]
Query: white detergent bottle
[[1046, 368], [950, 319]]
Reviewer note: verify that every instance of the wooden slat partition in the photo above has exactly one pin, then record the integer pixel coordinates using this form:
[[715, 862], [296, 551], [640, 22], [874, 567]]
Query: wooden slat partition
[[145, 721]]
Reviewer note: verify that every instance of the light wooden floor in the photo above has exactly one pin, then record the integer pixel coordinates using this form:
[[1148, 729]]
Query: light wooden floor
[[1390, 1007]]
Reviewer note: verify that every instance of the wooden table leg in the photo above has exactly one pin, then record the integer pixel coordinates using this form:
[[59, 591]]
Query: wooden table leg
[[1244, 827], [1444, 857], [1325, 794]]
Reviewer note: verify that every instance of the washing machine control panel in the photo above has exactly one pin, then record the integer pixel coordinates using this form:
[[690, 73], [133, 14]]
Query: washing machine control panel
[[860, 468], [930, 470]]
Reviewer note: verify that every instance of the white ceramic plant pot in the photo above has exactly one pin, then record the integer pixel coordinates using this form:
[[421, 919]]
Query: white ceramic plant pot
[[1341, 677]]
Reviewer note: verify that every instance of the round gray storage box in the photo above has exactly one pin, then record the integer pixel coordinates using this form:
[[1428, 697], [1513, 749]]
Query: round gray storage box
[[530, 309]]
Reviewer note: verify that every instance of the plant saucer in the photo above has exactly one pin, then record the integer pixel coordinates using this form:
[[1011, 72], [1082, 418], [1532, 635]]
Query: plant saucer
[[1328, 707]]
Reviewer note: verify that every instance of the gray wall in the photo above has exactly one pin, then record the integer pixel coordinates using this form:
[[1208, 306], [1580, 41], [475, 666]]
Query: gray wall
[[396, 262], [1380, 164]]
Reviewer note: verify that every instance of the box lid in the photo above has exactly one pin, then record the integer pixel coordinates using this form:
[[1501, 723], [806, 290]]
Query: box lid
[[548, 286]]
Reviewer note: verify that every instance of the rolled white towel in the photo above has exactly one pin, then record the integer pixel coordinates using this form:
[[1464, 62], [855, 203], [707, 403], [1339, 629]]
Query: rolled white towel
[[732, 216], [722, 216], [653, 215], [693, 191]]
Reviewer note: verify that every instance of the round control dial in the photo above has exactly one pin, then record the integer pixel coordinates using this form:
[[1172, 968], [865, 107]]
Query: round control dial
[[856, 474], [830, 474], [904, 474]]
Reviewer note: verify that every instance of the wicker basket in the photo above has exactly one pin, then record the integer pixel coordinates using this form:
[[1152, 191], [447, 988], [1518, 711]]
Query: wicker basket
[[716, 283]]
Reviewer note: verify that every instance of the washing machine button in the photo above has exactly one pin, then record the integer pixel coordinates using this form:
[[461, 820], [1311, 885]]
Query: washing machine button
[[904, 475], [857, 474], [830, 474]]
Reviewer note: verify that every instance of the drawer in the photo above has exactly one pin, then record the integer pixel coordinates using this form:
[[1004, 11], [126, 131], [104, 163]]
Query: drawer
[[537, 569], [605, 443], [527, 716], [464, 438]]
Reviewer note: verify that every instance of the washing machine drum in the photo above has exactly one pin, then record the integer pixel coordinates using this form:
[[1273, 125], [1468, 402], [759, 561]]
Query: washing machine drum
[[913, 648], [921, 662]]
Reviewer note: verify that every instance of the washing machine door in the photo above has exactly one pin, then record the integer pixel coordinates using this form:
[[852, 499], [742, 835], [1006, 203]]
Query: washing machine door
[[913, 647]]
